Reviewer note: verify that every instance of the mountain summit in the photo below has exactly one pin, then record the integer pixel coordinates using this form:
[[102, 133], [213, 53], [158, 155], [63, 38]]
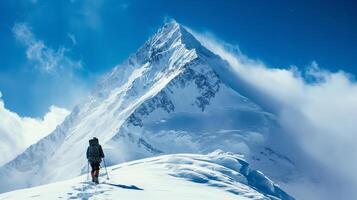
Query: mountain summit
[[171, 96]]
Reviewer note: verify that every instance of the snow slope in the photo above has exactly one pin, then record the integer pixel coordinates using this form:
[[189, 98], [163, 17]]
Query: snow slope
[[217, 175], [171, 96]]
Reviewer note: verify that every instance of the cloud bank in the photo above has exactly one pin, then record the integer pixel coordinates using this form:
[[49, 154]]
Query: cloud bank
[[17, 132], [317, 110]]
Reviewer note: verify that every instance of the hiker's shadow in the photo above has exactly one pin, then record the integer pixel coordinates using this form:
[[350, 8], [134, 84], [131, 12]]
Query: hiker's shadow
[[129, 187]]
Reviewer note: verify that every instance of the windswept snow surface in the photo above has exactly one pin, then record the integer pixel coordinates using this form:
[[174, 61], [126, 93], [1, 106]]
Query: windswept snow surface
[[216, 176], [171, 96]]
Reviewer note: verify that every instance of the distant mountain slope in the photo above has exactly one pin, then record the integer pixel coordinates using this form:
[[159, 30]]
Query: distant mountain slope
[[216, 176]]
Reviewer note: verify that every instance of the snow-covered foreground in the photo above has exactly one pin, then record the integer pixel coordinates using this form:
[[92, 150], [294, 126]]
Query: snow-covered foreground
[[218, 175]]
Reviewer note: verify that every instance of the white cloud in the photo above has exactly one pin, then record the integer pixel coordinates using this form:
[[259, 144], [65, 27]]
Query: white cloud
[[61, 72], [17, 133], [315, 107], [72, 38], [44, 58]]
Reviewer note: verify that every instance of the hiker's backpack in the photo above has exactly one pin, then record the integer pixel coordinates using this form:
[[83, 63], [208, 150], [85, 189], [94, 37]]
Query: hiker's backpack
[[93, 152]]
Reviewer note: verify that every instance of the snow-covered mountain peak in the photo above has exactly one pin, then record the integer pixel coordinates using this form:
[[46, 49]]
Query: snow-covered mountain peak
[[170, 49], [171, 35], [169, 97]]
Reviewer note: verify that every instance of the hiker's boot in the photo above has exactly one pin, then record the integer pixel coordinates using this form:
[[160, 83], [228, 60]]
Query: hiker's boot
[[96, 180]]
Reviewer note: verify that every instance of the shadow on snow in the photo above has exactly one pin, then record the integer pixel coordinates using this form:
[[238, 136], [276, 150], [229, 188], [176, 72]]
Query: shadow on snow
[[129, 187]]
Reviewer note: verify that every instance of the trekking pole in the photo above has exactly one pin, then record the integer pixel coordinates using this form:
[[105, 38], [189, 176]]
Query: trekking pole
[[105, 166], [87, 170]]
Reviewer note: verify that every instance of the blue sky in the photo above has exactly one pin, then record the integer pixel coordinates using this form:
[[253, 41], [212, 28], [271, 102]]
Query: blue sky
[[85, 39]]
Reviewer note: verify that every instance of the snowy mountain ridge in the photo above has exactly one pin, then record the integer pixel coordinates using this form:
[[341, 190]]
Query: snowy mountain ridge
[[217, 175], [171, 96]]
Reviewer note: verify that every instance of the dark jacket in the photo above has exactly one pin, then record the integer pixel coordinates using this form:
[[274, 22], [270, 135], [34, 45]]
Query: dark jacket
[[94, 151]]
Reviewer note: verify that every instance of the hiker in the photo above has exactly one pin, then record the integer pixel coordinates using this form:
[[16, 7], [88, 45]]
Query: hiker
[[94, 156]]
